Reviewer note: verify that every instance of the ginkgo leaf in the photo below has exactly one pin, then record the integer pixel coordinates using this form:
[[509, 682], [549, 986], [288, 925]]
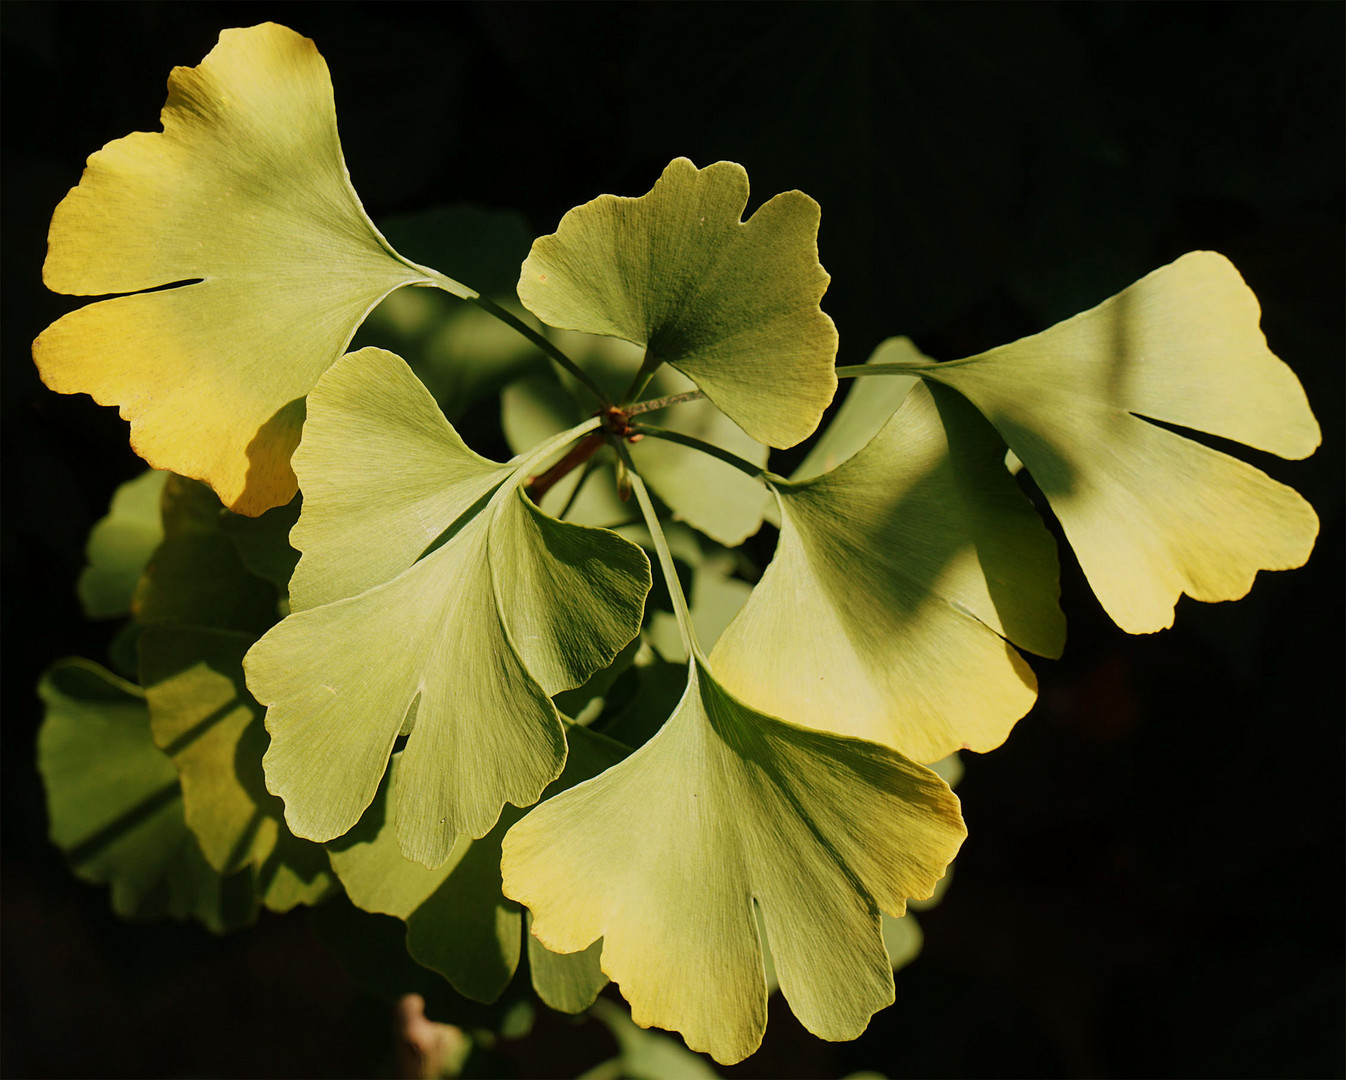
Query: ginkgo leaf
[[731, 304], [244, 203], [458, 921], [1153, 515], [115, 804], [430, 647], [120, 544], [736, 809], [462, 649], [206, 722], [383, 474], [909, 565]]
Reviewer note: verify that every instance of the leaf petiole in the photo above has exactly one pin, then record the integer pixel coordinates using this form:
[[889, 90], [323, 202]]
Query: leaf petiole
[[543, 343], [850, 371], [663, 402], [647, 511], [649, 364], [580, 454], [458, 289], [742, 464], [545, 450]]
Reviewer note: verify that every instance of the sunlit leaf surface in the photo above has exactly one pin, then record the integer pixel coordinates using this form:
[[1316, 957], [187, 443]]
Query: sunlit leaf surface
[[244, 203], [731, 304], [1153, 515], [896, 582], [115, 804], [461, 649], [736, 809]]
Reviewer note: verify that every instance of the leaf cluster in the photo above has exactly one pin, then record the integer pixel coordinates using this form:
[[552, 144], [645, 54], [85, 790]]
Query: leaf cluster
[[371, 659]]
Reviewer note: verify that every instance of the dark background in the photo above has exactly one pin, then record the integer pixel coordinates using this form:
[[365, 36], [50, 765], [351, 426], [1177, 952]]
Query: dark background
[[1154, 879]]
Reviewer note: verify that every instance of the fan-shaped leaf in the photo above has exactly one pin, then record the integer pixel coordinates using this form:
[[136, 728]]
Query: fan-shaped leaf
[[1152, 515], [731, 304], [736, 808], [243, 202], [905, 568]]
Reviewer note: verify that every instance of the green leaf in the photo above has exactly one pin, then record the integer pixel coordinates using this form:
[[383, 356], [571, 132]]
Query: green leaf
[[204, 719], [470, 640], [120, 544], [244, 203], [115, 804], [909, 565], [458, 921], [736, 809], [1153, 515], [195, 577], [869, 404], [369, 862], [732, 305]]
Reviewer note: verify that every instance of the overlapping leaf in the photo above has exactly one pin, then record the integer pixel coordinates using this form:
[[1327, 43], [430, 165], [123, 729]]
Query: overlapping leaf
[[1153, 515], [736, 809], [898, 577], [731, 304], [115, 804], [243, 202], [458, 921], [461, 649], [206, 722]]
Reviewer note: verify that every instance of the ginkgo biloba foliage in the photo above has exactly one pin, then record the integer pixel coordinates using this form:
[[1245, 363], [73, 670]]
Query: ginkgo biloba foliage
[[438, 682]]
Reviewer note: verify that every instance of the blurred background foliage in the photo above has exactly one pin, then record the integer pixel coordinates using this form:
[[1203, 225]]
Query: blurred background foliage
[[1154, 880]]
